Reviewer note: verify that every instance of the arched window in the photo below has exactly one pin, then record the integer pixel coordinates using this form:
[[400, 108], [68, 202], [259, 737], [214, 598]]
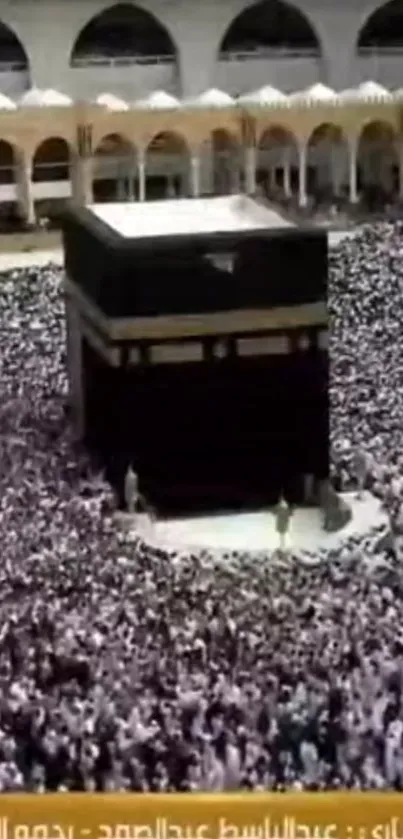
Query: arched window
[[377, 161], [327, 159], [11, 49], [52, 160], [7, 163], [114, 147], [227, 162], [167, 166], [277, 162], [269, 24], [114, 169], [384, 28], [123, 31]]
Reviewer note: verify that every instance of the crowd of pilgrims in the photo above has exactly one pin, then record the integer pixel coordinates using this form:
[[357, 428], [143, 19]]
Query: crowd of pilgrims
[[127, 667]]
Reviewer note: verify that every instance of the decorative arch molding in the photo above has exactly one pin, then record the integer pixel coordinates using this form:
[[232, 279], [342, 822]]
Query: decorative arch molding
[[52, 148], [114, 143], [168, 142], [224, 139], [387, 127], [289, 26], [207, 134], [377, 131], [127, 24], [327, 132], [276, 134]]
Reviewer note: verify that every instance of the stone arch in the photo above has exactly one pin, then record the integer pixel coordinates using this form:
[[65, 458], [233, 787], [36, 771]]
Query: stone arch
[[114, 169], [277, 162], [123, 30], [221, 163], [51, 160], [167, 166], [12, 50], [8, 163], [383, 28], [10, 160], [327, 162], [270, 24], [377, 163]]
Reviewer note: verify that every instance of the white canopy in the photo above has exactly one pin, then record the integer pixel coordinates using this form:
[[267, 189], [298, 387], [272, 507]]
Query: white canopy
[[36, 98], [317, 94], [373, 92], [265, 97], [366, 92], [6, 104], [212, 98], [158, 101], [112, 102]]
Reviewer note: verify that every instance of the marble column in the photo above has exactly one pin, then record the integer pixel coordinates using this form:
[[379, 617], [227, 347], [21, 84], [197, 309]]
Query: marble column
[[25, 191], [141, 168], [131, 184], [82, 181], [195, 176], [287, 175], [250, 171], [336, 168], [302, 171], [353, 192]]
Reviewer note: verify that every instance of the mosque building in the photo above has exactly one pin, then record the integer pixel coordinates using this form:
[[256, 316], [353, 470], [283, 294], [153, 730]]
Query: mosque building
[[131, 102]]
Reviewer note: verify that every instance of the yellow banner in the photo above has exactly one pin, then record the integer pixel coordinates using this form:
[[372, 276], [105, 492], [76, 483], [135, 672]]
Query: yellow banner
[[194, 816]]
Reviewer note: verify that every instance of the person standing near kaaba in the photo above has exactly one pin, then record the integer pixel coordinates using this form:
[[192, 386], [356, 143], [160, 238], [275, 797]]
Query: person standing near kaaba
[[283, 514], [309, 489], [131, 491], [362, 467]]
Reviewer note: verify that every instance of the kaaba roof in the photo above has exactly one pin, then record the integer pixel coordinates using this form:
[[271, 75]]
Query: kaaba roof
[[191, 257], [187, 216]]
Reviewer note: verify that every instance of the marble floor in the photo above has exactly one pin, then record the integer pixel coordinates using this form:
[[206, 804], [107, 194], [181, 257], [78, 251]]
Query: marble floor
[[256, 531]]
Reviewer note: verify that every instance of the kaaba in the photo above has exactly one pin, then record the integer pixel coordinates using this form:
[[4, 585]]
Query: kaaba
[[197, 349]]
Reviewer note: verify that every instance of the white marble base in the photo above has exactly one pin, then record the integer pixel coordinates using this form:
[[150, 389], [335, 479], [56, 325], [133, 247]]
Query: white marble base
[[133, 522], [256, 531]]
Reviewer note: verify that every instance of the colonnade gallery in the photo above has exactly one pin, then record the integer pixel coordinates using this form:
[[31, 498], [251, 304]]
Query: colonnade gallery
[[308, 146]]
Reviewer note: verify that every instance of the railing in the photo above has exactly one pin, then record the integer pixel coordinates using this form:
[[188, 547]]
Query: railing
[[258, 53], [13, 66], [8, 174], [45, 172], [121, 60], [378, 51]]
